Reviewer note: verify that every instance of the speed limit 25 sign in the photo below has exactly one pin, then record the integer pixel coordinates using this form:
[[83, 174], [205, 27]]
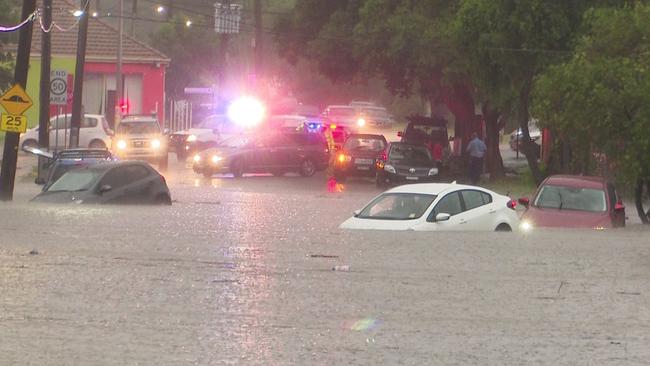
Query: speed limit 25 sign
[[13, 123]]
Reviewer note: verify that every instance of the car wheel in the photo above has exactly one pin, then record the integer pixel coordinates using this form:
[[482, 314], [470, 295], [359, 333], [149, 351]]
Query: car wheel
[[237, 168], [97, 144], [162, 199], [163, 163], [307, 168], [503, 228], [30, 144]]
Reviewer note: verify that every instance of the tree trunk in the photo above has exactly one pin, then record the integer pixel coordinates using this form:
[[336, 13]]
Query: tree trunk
[[638, 201], [493, 158], [528, 146]]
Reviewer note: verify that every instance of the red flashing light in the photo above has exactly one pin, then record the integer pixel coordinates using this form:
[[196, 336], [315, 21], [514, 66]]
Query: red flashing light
[[125, 106], [512, 204]]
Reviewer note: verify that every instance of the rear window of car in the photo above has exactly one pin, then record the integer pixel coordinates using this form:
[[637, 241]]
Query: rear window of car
[[571, 198], [364, 144]]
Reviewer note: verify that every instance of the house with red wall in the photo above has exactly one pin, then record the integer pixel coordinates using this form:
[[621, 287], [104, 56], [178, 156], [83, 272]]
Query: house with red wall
[[143, 67]]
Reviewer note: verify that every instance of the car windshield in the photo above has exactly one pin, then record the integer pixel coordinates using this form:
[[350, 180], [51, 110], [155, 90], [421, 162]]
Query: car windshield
[[138, 128], [364, 144], [75, 180], [411, 154], [397, 206], [342, 112], [569, 198], [212, 122], [237, 141]]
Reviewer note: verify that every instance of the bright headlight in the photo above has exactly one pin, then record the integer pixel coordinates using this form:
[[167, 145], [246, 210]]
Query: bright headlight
[[216, 158], [196, 158], [121, 144], [390, 169], [191, 138], [155, 144], [433, 171], [361, 122], [525, 226]]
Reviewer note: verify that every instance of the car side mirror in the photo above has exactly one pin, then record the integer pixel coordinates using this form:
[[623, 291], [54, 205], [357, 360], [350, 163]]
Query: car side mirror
[[356, 213], [400, 133], [442, 217], [525, 201], [105, 188], [619, 206]]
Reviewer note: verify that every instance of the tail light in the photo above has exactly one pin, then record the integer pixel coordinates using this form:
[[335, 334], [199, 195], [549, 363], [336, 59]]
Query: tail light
[[383, 156], [512, 204]]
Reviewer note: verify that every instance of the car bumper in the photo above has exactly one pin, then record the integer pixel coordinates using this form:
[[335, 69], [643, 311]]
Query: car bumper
[[403, 179], [361, 170]]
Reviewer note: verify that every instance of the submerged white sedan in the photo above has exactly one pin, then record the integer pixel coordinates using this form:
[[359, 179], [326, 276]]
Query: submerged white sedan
[[437, 206]]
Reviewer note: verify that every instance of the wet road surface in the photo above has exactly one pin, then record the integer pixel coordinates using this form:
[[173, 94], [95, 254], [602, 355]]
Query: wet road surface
[[240, 272]]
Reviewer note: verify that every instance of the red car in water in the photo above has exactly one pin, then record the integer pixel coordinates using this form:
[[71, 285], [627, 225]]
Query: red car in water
[[574, 202]]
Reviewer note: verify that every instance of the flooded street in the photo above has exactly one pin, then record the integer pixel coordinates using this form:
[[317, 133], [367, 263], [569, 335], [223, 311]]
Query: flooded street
[[240, 272]]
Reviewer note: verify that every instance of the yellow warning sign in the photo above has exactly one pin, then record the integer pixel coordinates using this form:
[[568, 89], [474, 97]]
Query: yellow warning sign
[[15, 100], [13, 123]]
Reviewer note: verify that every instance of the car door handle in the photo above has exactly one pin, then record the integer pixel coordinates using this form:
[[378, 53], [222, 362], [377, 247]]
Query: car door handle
[[462, 222], [493, 211]]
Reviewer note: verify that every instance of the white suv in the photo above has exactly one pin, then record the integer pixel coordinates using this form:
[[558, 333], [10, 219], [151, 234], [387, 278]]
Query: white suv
[[94, 133]]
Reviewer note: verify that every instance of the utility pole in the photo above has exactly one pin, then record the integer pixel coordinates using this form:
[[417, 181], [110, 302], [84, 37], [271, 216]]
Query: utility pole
[[118, 73], [75, 121], [170, 9], [258, 39], [134, 14], [10, 152], [44, 96]]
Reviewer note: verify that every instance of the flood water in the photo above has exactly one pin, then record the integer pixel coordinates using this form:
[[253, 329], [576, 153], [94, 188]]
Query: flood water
[[240, 273]]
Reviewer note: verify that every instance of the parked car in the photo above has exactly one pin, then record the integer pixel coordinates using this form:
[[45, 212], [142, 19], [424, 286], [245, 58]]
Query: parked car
[[437, 207], [127, 182], [139, 137], [94, 132], [516, 137], [296, 123], [575, 202], [405, 163], [359, 155], [376, 116], [423, 130], [66, 160], [275, 153], [212, 130], [343, 120]]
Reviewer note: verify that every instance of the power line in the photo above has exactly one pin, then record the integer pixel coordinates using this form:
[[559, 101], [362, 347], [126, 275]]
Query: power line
[[16, 27], [249, 29]]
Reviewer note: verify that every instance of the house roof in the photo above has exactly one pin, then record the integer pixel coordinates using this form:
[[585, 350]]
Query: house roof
[[102, 42]]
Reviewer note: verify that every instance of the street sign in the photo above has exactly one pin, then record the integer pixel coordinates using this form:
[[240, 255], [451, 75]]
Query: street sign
[[13, 123], [59, 87], [15, 100], [198, 91]]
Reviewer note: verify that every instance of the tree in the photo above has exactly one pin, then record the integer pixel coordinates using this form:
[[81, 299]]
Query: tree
[[194, 52], [9, 16], [599, 100], [507, 43]]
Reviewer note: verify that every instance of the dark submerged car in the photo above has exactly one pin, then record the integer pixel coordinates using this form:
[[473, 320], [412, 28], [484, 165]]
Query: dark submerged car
[[406, 163], [128, 182], [69, 159], [359, 155], [276, 153]]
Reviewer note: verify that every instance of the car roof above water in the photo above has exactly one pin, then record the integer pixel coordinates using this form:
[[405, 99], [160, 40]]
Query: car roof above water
[[431, 188], [576, 181]]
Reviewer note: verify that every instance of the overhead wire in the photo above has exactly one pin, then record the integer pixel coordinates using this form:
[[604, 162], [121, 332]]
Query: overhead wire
[[30, 18]]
